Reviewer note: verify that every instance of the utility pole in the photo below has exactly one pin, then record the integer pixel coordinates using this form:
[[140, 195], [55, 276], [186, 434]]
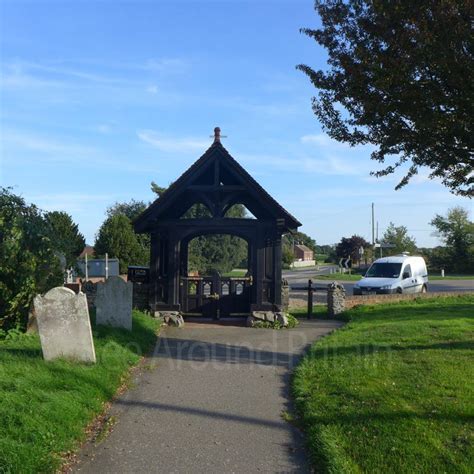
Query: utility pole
[[377, 232], [373, 224]]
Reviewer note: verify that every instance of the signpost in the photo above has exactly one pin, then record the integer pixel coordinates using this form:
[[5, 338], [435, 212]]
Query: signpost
[[383, 245]]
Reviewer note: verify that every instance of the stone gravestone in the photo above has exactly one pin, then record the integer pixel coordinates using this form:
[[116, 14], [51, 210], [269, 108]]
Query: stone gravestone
[[64, 325], [113, 303]]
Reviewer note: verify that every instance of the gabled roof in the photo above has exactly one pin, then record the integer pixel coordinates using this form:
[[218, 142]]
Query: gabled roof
[[173, 196]]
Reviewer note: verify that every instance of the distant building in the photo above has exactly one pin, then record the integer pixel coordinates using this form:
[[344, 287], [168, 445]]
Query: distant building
[[304, 256], [88, 250], [303, 253], [96, 268]]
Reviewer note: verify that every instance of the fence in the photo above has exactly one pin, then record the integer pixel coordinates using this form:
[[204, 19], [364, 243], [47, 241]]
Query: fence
[[334, 296]]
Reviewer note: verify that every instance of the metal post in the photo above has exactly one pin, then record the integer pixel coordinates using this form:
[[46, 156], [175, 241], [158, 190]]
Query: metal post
[[373, 230], [106, 266], [87, 270], [310, 298]]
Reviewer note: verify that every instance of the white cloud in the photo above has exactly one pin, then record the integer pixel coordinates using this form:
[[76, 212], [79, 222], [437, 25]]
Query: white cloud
[[152, 90], [326, 165], [172, 145]]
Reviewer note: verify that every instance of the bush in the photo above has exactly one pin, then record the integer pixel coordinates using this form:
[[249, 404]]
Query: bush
[[28, 264]]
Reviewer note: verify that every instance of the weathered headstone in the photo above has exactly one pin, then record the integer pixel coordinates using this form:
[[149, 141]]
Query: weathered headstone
[[113, 303], [64, 325]]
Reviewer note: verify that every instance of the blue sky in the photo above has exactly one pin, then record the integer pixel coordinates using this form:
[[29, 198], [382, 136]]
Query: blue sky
[[100, 98]]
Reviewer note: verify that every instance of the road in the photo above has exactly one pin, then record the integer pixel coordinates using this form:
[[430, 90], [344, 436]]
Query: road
[[298, 279]]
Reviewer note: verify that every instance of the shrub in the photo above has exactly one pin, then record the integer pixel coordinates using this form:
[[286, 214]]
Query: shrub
[[28, 263]]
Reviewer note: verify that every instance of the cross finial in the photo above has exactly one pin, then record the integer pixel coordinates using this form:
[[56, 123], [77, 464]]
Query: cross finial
[[217, 135]]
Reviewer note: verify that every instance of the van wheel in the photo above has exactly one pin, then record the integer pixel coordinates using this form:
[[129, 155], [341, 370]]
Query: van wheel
[[424, 289], [399, 291]]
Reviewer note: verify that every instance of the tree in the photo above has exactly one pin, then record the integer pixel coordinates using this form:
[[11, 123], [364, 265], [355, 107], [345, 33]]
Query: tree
[[158, 190], [117, 238], [65, 235], [28, 264], [399, 237], [349, 247], [302, 238], [456, 230], [399, 78], [131, 209]]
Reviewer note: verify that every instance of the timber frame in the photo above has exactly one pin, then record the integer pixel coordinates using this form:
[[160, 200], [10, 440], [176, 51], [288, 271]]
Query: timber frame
[[218, 181]]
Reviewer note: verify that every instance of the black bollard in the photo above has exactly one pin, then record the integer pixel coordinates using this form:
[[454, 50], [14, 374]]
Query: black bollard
[[310, 298]]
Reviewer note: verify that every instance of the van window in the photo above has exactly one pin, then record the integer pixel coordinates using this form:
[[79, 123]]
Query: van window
[[407, 269], [384, 270]]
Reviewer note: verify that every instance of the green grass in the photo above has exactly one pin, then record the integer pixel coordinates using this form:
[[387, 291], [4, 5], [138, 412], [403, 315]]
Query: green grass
[[236, 273], [45, 406], [392, 391], [339, 277], [357, 277], [451, 277]]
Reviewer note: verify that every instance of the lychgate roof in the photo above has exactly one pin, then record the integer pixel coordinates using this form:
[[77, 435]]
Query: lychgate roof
[[218, 181]]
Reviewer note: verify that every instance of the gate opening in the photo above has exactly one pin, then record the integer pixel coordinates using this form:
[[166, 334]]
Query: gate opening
[[218, 279]]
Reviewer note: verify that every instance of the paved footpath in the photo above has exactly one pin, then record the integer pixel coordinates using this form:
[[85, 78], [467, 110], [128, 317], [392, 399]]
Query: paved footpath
[[211, 402]]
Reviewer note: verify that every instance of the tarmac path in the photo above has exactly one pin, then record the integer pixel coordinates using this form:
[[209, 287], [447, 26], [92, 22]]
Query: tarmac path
[[211, 401]]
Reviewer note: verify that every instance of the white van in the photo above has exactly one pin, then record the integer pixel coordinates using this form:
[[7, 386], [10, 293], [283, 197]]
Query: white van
[[397, 274]]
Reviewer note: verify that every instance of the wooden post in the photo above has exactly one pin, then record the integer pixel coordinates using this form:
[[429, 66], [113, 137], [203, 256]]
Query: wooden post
[[310, 298]]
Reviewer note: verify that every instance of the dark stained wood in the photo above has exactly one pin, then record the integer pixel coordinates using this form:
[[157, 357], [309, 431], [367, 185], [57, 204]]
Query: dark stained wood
[[218, 181]]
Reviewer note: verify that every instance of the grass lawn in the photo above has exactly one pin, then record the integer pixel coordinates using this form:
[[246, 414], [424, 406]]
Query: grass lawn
[[236, 273], [45, 406], [451, 277], [392, 391], [339, 277]]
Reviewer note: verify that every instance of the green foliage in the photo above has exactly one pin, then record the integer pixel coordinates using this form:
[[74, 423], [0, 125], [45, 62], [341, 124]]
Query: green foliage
[[158, 190], [457, 232], [287, 255], [217, 252], [28, 263], [397, 80], [65, 235], [399, 237], [392, 390], [46, 406], [117, 238], [132, 210]]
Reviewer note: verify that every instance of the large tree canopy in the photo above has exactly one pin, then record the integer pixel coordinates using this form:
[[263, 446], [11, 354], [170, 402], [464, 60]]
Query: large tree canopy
[[400, 78], [117, 238], [457, 232]]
